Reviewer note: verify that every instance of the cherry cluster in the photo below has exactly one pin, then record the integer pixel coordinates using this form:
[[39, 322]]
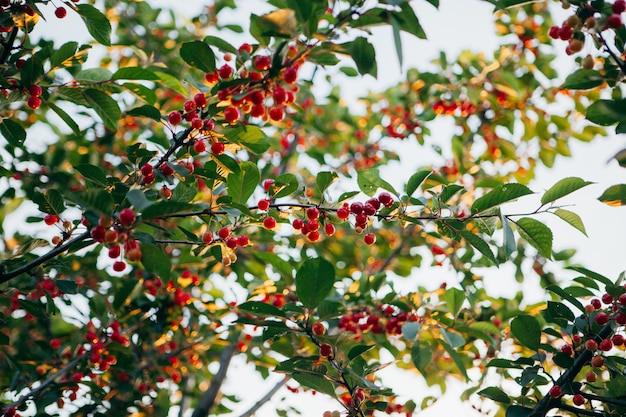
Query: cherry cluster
[[462, 108], [118, 236], [386, 319]]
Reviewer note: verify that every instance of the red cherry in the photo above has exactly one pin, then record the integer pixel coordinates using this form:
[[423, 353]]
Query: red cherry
[[596, 304], [263, 204], [277, 113], [329, 229], [223, 233], [597, 361], [243, 240], [591, 376], [312, 213], [601, 318], [225, 71], [606, 345], [167, 170], [554, 32], [556, 391], [607, 298], [35, 90], [55, 343], [231, 243], [174, 118], [279, 95], [189, 106], [231, 114], [262, 62], [318, 328], [114, 251], [620, 318], [269, 222], [119, 266], [267, 184], [200, 100], [34, 102], [370, 238], [199, 145], [60, 12], [343, 213], [218, 148], [567, 349], [297, 223], [50, 219], [313, 236], [619, 6], [245, 47], [326, 349], [197, 123], [356, 208], [386, 199], [147, 169], [578, 399], [98, 233], [291, 75], [618, 340], [614, 21], [207, 238], [211, 77], [591, 345], [127, 217]]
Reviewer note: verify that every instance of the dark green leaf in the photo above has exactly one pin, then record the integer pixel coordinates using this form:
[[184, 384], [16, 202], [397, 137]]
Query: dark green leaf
[[560, 310], [138, 199], [104, 106], [156, 261], [583, 80], [454, 300], [63, 53], [134, 73], [421, 355], [4, 339], [279, 23], [363, 54], [13, 132], [456, 357], [314, 280], [97, 24], [184, 193], [591, 274], [69, 121], [50, 202], [67, 286], [284, 185], [519, 411], [32, 71], [323, 180], [607, 112], [499, 195], [572, 218], [146, 111], [220, 44], [93, 76], [408, 21], [241, 186], [527, 330], [358, 350], [537, 234], [614, 196], [260, 309], [199, 55], [495, 394], [146, 94], [315, 381], [479, 244], [559, 291], [93, 174], [96, 199], [563, 188], [164, 208], [369, 182]]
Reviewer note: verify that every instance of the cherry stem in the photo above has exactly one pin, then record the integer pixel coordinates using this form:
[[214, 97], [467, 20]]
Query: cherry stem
[[255, 407]]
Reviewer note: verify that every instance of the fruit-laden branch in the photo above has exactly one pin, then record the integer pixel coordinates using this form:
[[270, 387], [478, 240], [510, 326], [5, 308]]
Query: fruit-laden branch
[[208, 399], [607, 400], [547, 403], [6, 276], [250, 412]]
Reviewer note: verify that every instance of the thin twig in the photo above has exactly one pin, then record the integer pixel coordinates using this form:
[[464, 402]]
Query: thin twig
[[250, 412], [208, 398]]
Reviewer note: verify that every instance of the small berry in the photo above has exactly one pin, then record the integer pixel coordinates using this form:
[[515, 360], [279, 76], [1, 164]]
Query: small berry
[[245, 47], [225, 71], [114, 252], [34, 102], [200, 100], [614, 21], [199, 145], [313, 236], [597, 361], [618, 340], [312, 213], [189, 106], [567, 349], [197, 123], [326, 350], [231, 114], [243, 240], [591, 377], [607, 298], [60, 12], [50, 219], [263, 204], [147, 169], [606, 345], [267, 184], [556, 391], [223, 233], [386, 199], [207, 238], [211, 77], [318, 328], [119, 266], [620, 318], [269, 222], [262, 62], [174, 118], [343, 213], [619, 6], [601, 318], [35, 90], [578, 399], [329, 229], [55, 343], [218, 148], [370, 238], [591, 345], [231, 243], [356, 208], [127, 217], [596, 304], [297, 223], [588, 62], [277, 113], [166, 192]]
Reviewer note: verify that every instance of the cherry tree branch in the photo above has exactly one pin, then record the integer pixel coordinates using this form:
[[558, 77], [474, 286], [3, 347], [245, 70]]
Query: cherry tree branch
[[268, 396], [208, 398]]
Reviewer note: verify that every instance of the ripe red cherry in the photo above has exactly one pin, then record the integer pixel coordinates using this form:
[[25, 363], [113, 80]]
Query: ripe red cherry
[[245, 47], [607, 298], [197, 123], [200, 100], [277, 113], [34, 102], [207, 238], [606, 345], [618, 340], [50, 219], [601, 318], [591, 345], [218, 148], [189, 106], [231, 114], [556, 391], [119, 266], [386, 199], [591, 376], [297, 223], [263, 204], [174, 118], [596, 304], [370, 238], [614, 21], [356, 208], [211, 77], [619, 6], [313, 236], [329, 229], [312, 213], [262, 62], [267, 184], [243, 240], [225, 71], [98, 233], [147, 169], [280, 96], [597, 361], [60, 12], [620, 318], [199, 146], [223, 233], [622, 299], [55, 343], [326, 349], [343, 213], [318, 328], [269, 222], [231, 243], [578, 399], [114, 251], [291, 74], [35, 90], [567, 349], [127, 217]]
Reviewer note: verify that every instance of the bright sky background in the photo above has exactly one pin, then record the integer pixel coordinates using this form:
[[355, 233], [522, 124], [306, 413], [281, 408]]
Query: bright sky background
[[458, 25]]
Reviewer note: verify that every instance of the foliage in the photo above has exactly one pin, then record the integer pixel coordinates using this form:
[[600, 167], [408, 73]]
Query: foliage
[[206, 202]]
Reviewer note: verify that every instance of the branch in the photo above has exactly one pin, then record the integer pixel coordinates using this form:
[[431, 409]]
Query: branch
[[547, 403], [208, 398], [579, 411], [6, 276], [250, 412], [8, 45], [620, 62], [614, 401]]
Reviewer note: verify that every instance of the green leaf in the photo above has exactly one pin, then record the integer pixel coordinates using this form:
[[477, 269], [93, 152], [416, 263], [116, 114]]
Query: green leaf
[[63, 53], [250, 137], [134, 73], [519, 411], [566, 296], [499, 195], [583, 80], [13, 132], [280, 23], [456, 357], [220, 44], [163, 208], [314, 280], [323, 180], [416, 180], [69, 121], [260, 309], [537, 234], [315, 381], [95, 199], [172, 83], [363, 54], [284, 185], [572, 218], [508, 243], [358, 350], [138, 199], [93, 75], [184, 193], [613, 196], [527, 330], [421, 355], [146, 94], [454, 300], [478, 243], [563, 188], [410, 330], [97, 24], [408, 21], [104, 106], [503, 4], [607, 112], [50, 202], [156, 261], [241, 186], [32, 72], [199, 55], [67, 286], [4, 339], [92, 173], [591, 274], [369, 182], [454, 339], [146, 111], [495, 394]]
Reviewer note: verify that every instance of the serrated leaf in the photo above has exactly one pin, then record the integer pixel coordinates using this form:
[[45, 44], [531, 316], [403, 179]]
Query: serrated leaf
[[134, 73], [97, 24], [260, 309], [416, 180], [156, 261], [527, 330], [199, 55], [242, 186], [92, 173], [613, 196], [50, 202], [563, 188], [369, 182], [250, 137], [314, 280], [323, 180], [164, 208], [69, 120], [145, 111], [13, 132], [363, 54], [583, 79], [508, 243], [93, 75], [104, 106], [500, 195], [495, 394], [479, 243], [454, 300], [537, 234], [572, 218], [63, 53]]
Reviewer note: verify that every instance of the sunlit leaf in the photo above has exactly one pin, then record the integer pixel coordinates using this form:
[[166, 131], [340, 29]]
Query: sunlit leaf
[[537, 234], [614, 196], [572, 218], [499, 195], [563, 188]]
